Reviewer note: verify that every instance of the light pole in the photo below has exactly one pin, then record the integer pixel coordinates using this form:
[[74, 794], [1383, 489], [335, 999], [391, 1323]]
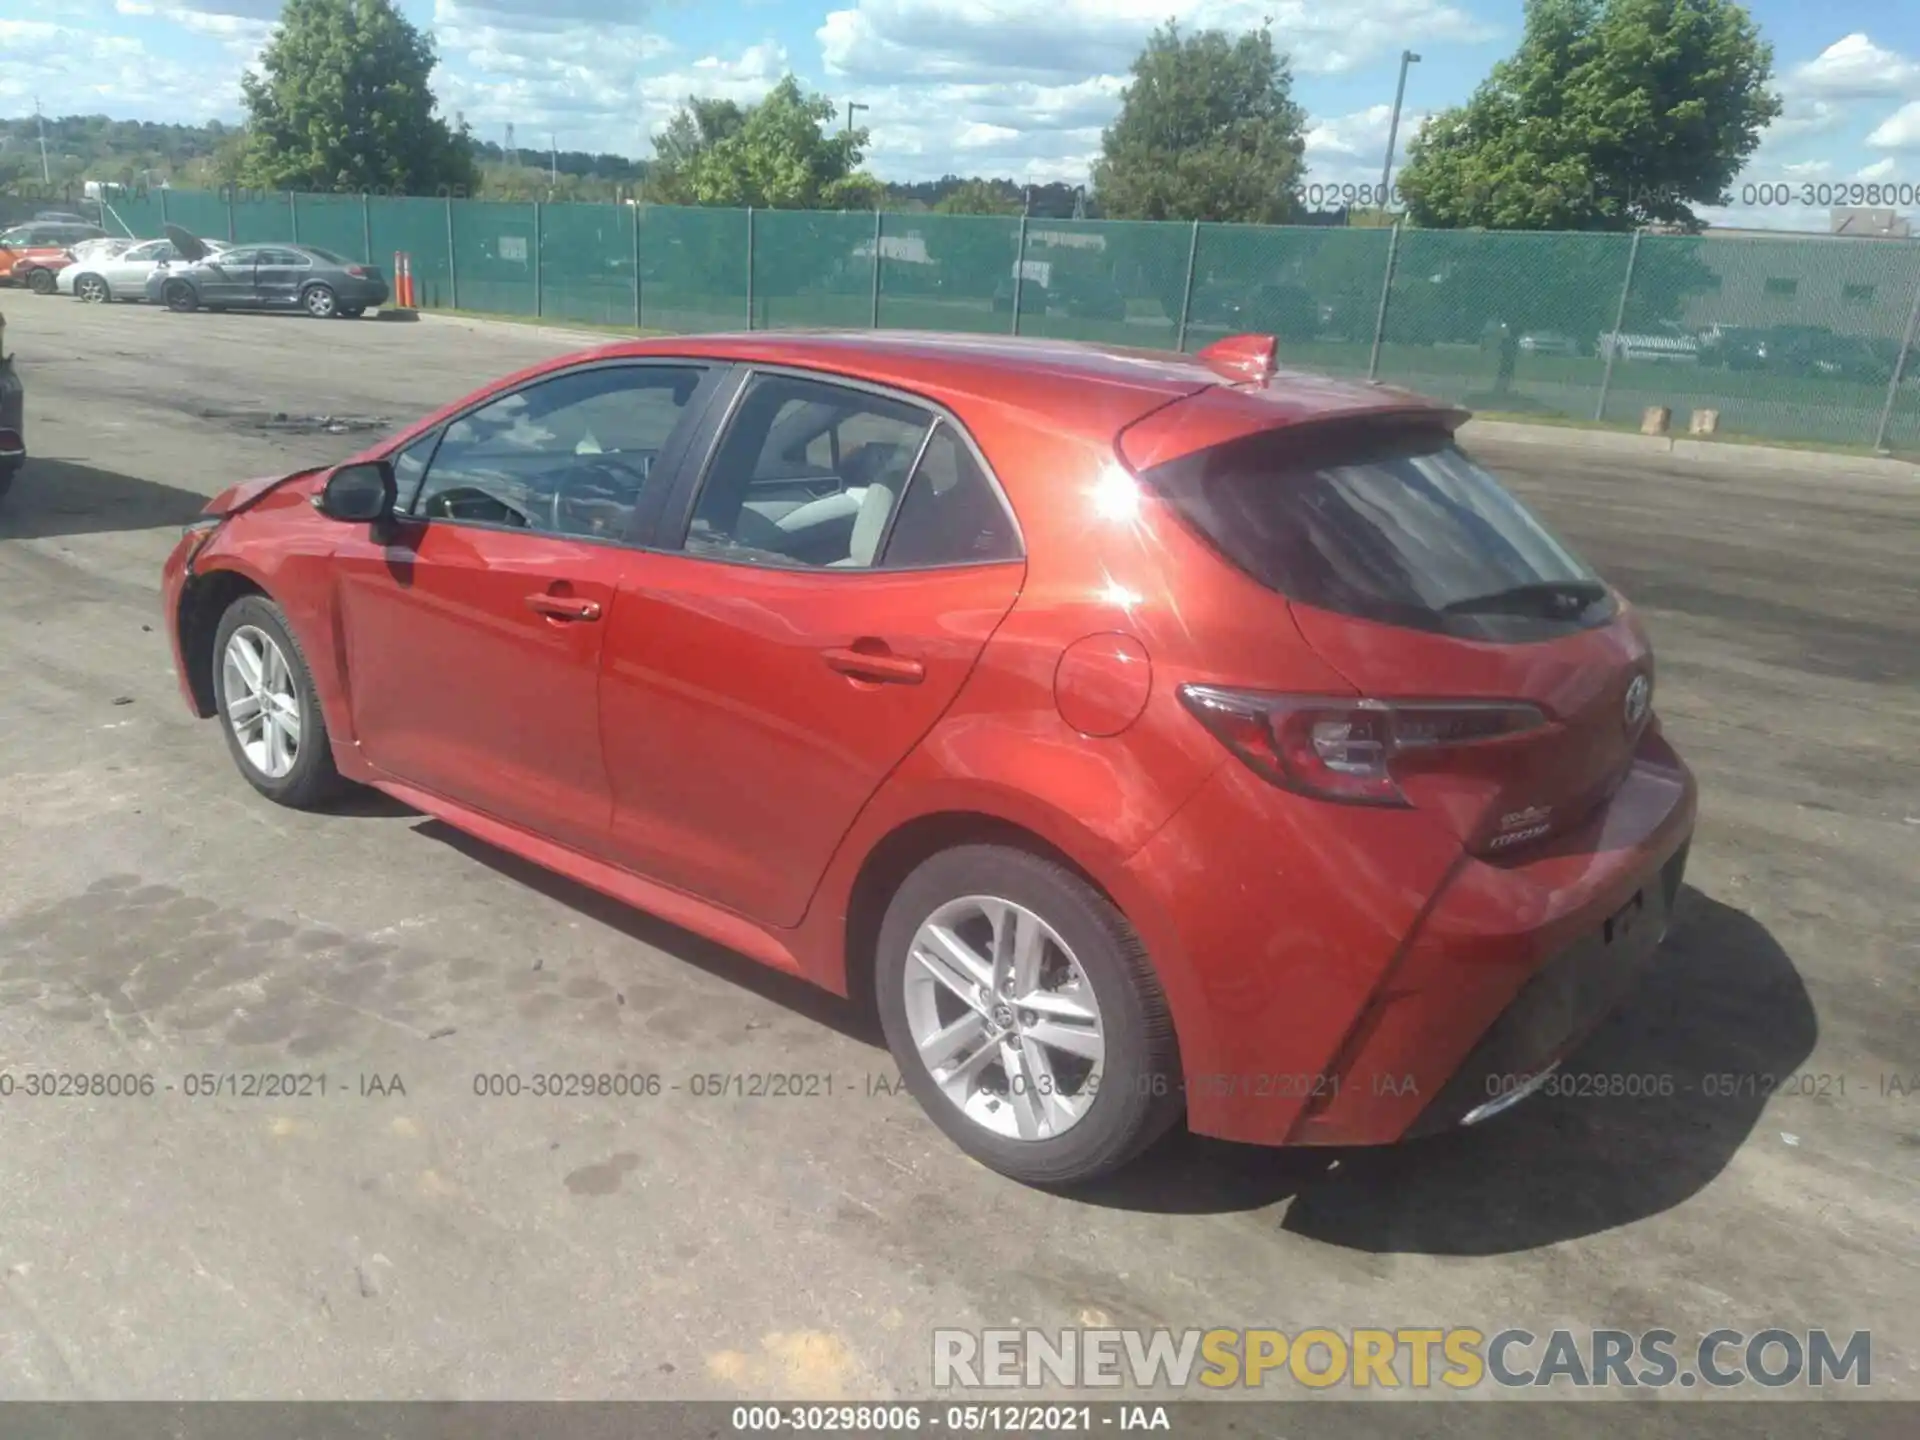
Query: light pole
[[851, 107], [1407, 57]]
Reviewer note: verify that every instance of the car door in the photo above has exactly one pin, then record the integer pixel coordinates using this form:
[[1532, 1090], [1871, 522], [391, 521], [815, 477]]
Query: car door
[[756, 692], [277, 276], [126, 273], [226, 278], [473, 629]]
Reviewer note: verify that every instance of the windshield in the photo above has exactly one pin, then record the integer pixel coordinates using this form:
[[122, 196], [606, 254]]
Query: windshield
[[1401, 528]]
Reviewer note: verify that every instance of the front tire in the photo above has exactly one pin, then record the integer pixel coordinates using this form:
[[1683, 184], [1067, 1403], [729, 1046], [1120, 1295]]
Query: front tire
[[1025, 1016], [320, 302], [180, 297], [92, 290], [268, 707], [41, 282]]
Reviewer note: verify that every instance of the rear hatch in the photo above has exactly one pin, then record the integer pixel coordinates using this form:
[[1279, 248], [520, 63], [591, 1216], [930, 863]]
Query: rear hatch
[[1503, 687]]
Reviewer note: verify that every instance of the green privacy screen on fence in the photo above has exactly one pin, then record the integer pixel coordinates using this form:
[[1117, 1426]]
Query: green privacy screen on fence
[[1795, 337]]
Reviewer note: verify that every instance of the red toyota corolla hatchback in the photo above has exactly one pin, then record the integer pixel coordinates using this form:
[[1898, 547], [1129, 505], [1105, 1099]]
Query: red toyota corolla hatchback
[[1148, 736]]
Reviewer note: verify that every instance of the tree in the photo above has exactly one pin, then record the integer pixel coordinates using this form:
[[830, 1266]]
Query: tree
[[344, 104], [775, 155], [1612, 114], [977, 197], [1207, 131]]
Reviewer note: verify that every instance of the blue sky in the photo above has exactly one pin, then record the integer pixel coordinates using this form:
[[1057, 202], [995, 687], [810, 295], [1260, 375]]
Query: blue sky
[[1003, 87]]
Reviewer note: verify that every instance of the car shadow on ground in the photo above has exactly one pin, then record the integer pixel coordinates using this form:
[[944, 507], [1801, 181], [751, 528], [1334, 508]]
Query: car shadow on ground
[[51, 498], [782, 989], [1722, 1010], [1721, 1015]]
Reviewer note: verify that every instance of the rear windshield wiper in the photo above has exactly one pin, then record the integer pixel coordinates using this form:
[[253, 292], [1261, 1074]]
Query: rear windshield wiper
[[1550, 599]]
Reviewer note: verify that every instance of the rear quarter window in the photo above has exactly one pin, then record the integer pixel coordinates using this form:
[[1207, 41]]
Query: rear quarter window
[[1396, 525]]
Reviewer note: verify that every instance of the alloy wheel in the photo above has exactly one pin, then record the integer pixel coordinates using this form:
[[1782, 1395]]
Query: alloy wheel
[[320, 302], [1004, 1018], [262, 702], [92, 289]]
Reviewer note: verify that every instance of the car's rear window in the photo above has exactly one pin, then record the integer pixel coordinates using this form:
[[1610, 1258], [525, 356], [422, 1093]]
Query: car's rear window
[[1398, 526], [326, 255]]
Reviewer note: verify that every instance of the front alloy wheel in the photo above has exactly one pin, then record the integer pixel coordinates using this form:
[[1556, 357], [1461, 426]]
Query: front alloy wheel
[[262, 705], [91, 289], [270, 709]]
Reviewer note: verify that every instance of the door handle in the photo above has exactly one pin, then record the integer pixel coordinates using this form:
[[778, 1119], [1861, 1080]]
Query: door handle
[[562, 607], [882, 667]]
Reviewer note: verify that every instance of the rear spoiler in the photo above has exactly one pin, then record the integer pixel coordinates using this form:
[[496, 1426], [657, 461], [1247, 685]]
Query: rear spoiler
[[1312, 410]]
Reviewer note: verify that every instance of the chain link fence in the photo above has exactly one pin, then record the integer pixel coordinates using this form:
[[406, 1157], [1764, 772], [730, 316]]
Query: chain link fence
[[1796, 338]]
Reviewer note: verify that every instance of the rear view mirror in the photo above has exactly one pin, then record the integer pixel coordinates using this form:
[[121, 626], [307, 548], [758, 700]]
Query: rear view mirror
[[357, 494]]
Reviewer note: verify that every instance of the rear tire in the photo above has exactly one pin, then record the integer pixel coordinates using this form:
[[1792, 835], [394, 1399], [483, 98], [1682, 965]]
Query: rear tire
[[92, 290], [1131, 1094], [320, 302], [41, 281], [180, 298], [260, 670]]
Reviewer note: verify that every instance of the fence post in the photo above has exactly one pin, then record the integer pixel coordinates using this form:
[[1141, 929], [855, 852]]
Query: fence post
[[229, 214], [1019, 272], [1186, 295], [293, 217], [877, 231], [453, 266], [1380, 316], [163, 207], [639, 305], [539, 299], [1899, 368], [749, 267], [366, 228], [1612, 338]]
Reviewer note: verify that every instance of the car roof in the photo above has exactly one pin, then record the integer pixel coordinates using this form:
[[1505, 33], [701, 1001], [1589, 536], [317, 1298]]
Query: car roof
[[1091, 389]]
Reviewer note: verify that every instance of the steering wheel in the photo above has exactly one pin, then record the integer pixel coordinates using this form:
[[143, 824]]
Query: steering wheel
[[599, 480]]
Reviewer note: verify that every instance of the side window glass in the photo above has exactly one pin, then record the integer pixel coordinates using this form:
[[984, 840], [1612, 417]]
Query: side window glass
[[807, 474], [951, 514], [570, 455], [410, 468]]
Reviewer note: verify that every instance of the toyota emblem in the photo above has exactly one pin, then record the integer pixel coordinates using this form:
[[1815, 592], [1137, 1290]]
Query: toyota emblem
[[1639, 693]]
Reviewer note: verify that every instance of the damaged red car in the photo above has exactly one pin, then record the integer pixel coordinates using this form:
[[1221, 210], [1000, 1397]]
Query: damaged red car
[[1150, 739]]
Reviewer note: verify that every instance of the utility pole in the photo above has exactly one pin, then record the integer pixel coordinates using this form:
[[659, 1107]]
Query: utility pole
[[46, 175], [1407, 57], [553, 161], [512, 155]]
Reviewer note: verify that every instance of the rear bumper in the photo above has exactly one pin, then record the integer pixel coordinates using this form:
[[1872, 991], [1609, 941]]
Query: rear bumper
[[1350, 977]]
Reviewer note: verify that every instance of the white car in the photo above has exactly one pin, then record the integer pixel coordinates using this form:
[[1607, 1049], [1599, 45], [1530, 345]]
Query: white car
[[98, 279], [99, 249]]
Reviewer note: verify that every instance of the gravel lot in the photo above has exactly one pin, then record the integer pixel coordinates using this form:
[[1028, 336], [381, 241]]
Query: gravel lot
[[157, 917]]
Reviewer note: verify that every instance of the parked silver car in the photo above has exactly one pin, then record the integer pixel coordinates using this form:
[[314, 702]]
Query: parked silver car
[[98, 278]]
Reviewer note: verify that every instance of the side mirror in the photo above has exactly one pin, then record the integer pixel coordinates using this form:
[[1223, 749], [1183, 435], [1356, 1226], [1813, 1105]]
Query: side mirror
[[359, 494]]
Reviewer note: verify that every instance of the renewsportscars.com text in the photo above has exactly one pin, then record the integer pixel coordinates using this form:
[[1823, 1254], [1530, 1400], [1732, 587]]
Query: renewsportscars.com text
[[1460, 1358]]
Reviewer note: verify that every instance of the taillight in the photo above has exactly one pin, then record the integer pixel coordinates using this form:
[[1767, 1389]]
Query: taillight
[[11, 443], [1340, 748], [358, 272]]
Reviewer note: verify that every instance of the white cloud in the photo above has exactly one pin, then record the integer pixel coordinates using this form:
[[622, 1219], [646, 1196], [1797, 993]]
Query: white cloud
[[879, 40], [1900, 130], [1878, 170], [72, 70], [1854, 68]]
